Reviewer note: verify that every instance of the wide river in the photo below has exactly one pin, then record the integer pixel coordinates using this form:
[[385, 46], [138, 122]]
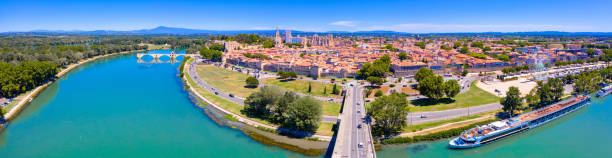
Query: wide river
[[115, 107], [583, 133]]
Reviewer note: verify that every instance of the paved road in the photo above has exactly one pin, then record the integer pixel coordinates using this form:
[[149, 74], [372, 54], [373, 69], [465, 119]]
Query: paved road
[[415, 117], [353, 138], [236, 99]]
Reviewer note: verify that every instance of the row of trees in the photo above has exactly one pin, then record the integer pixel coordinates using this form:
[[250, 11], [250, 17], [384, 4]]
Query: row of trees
[[508, 70], [258, 56], [287, 75], [542, 95], [211, 54], [433, 86], [565, 63], [588, 82], [243, 38], [285, 108], [16, 79], [550, 92], [379, 68]]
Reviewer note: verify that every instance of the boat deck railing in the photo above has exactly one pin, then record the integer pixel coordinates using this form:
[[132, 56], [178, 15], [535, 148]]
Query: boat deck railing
[[519, 120]]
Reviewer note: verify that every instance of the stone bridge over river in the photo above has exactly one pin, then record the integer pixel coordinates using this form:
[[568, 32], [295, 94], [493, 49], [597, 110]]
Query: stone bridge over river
[[157, 56]]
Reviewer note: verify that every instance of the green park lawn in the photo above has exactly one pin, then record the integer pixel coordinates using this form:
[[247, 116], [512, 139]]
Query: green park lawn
[[301, 86], [326, 129], [330, 108], [225, 80], [421, 126], [156, 46], [225, 104], [473, 97]]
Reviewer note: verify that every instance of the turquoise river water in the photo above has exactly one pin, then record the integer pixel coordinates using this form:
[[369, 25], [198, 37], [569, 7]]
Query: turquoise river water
[[582, 134], [115, 107]]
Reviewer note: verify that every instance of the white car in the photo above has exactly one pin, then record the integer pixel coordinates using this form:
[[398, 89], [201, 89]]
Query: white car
[[360, 145]]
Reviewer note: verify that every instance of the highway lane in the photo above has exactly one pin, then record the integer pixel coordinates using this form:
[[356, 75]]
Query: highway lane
[[415, 117], [360, 144]]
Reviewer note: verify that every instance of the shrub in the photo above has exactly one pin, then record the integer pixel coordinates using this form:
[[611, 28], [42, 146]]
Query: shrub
[[378, 93]]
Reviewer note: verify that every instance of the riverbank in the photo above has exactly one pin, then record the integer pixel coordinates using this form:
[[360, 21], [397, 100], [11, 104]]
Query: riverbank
[[433, 136], [15, 110], [264, 136]]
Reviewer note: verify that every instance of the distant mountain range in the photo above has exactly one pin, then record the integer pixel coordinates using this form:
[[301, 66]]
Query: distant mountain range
[[162, 30]]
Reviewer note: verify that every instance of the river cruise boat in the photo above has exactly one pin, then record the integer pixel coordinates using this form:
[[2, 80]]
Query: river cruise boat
[[604, 91], [481, 135]]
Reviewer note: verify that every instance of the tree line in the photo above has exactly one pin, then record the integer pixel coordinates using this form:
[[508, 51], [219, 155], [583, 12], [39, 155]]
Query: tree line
[[551, 91], [243, 38], [68, 49], [285, 108], [211, 53], [16, 79], [433, 86], [375, 71], [508, 70]]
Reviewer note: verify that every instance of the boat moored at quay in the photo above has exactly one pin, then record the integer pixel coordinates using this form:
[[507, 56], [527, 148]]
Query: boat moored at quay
[[604, 91], [485, 134]]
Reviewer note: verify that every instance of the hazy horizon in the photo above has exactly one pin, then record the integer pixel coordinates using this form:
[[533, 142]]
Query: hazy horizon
[[311, 16]]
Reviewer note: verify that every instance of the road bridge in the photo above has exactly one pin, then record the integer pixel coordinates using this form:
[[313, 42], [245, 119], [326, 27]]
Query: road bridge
[[354, 137]]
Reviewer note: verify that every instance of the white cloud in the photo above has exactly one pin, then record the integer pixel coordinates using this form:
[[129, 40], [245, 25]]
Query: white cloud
[[435, 28], [343, 23]]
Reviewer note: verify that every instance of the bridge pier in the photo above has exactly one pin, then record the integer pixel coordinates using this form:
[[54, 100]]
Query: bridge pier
[[156, 57]]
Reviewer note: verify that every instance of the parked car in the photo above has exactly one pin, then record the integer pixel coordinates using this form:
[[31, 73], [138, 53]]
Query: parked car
[[216, 93]]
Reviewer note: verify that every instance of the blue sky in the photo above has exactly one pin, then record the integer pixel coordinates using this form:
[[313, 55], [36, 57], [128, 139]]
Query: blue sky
[[416, 16]]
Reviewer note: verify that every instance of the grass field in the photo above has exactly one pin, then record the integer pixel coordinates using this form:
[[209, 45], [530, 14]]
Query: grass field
[[225, 104], [330, 108], [325, 128], [225, 80], [421, 126], [302, 86], [473, 97], [156, 46]]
